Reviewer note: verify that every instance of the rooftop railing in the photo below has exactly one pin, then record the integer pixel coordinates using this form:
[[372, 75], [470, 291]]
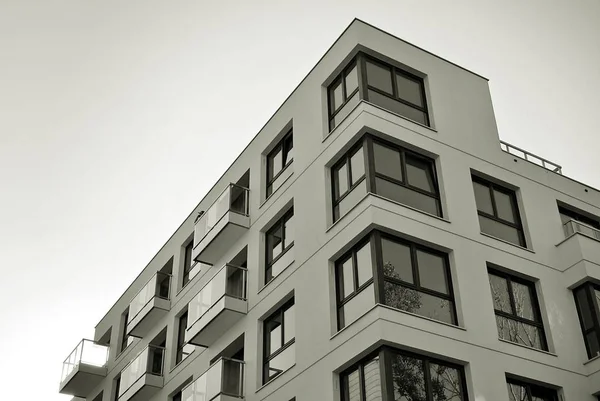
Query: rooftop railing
[[150, 360], [157, 286], [226, 376], [86, 352], [530, 157], [234, 198], [573, 226]]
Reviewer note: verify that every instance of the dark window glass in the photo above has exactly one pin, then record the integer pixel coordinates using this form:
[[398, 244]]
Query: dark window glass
[[183, 349], [520, 391], [347, 174], [568, 214], [379, 77], [278, 159], [279, 338], [117, 388], [419, 173], [498, 211], [126, 340], [280, 238], [343, 94], [409, 90], [177, 396], [587, 300], [351, 81], [387, 161], [397, 260], [518, 316]]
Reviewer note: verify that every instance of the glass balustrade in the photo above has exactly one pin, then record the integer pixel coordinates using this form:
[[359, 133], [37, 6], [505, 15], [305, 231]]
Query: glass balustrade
[[573, 226], [234, 198], [86, 352], [226, 377], [149, 361], [157, 286], [229, 281]]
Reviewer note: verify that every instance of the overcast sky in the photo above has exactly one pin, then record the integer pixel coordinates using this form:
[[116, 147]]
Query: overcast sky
[[116, 117]]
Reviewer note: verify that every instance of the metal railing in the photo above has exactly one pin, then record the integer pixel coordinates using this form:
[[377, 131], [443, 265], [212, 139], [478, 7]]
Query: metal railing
[[225, 376], [573, 226], [158, 286], [87, 352], [230, 281], [530, 157], [150, 360], [234, 198]]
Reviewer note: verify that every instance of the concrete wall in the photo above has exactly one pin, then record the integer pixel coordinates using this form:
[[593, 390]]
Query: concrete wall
[[463, 138]]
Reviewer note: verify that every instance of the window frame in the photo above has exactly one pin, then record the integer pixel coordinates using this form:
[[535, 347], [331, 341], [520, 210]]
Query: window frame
[[529, 386], [538, 322], [341, 79], [285, 161], [181, 344], [267, 355], [279, 224], [512, 194], [345, 160], [589, 288], [187, 267]]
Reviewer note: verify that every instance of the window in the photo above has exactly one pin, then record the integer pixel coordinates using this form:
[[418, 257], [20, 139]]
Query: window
[[278, 159], [587, 300], [177, 396], [117, 388], [183, 349], [498, 211], [574, 222], [279, 339], [518, 316], [188, 262], [126, 339], [343, 95], [520, 391], [391, 171], [412, 278], [406, 376], [280, 238]]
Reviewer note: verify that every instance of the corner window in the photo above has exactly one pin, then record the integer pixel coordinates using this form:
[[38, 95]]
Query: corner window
[[521, 391], [343, 95], [498, 211], [411, 277], [278, 159], [518, 316], [279, 339], [587, 300], [347, 174], [279, 239], [410, 377]]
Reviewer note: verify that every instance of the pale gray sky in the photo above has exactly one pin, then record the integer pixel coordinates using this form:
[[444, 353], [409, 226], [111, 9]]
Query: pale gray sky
[[116, 117]]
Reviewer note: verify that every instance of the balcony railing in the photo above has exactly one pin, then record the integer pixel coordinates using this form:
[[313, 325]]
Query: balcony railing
[[86, 352], [573, 226], [530, 157], [157, 286], [224, 377], [229, 281], [149, 361], [233, 199]]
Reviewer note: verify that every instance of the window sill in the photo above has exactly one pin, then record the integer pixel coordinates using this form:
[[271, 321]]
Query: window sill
[[528, 347], [506, 242], [591, 360], [410, 207], [275, 378], [291, 163], [402, 117], [275, 278], [422, 317]]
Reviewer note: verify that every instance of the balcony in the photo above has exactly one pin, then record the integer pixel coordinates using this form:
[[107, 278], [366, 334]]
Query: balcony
[[581, 245], [218, 306], [143, 377], [222, 224], [223, 381], [530, 157], [149, 305], [84, 369]]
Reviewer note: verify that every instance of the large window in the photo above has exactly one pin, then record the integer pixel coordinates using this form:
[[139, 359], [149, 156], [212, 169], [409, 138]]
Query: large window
[[280, 239], [380, 83], [521, 391], [406, 376], [498, 211], [279, 340], [409, 277], [587, 298], [391, 171], [518, 316], [278, 159]]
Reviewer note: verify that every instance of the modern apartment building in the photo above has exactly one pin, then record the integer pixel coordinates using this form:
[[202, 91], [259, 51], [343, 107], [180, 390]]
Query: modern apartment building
[[374, 241]]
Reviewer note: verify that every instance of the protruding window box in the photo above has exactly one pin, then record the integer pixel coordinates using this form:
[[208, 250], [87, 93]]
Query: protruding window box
[[149, 305], [223, 381], [143, 377], [222, 224], [84, 369], [218, 306], [582, 243]]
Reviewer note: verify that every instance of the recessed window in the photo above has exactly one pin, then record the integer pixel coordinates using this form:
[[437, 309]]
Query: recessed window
[[278, 159], [575, 222], [411, 377], [188, 263], [391, 171], [343, 94], [126, 340], [521, 391], [279, 339], [279, 239], [498, 211], [587, 299], [183, 349], [414, 278], [518, 316]]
